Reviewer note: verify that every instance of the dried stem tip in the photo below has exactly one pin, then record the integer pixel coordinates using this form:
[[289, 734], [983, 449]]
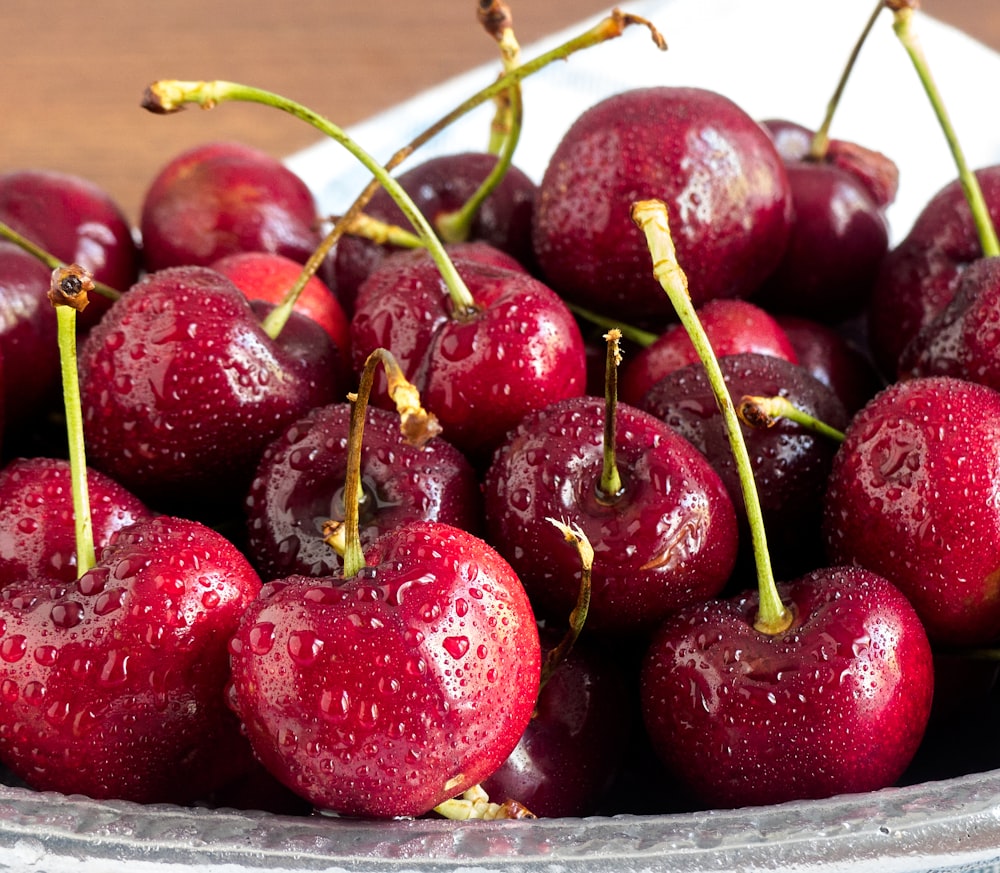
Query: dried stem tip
[[70, 287]]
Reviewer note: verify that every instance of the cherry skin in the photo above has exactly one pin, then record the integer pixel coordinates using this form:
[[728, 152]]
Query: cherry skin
[[299, 486], [114, 683], [223, 197], [390, 692], [77, 222], [668, 539], [838, 240], [962, 339], [911, 496], [875, 170], [921, 274], [27, 336], [570, 753], [790, 463], [831, 357], [836, 703], [182, 390], [37, 534], [479, 373], [269, 276], [733, 327], [439, 186], [715, 168]]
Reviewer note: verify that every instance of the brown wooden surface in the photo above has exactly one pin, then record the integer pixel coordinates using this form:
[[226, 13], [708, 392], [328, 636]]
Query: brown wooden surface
[[73, 73]]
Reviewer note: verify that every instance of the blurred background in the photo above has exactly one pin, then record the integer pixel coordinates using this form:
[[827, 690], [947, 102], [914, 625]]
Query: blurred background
[[73, 73]]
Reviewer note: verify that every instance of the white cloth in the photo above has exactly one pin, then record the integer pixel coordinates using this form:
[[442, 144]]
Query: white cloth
[[775, 58]]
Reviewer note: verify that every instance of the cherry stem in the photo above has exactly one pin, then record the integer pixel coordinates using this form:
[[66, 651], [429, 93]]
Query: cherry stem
[[417, 426], [51, 261], [610, 488], [651, 217], [382, 232], [902, 26], [68, 294], [578, 616], [475, 803], [456, 226], [496, 18], [764, 412], [173, 95], [640, 337], [821, 139]]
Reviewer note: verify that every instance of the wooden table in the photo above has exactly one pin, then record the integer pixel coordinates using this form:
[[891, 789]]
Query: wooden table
[[73, 73]]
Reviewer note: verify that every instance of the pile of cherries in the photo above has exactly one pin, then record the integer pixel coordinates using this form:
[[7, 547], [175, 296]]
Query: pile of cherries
[[224, 647]]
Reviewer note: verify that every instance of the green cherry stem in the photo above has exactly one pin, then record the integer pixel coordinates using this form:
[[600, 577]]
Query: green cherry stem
[[610, 487], [763, 412], [416, 424], [68, 294], [51, 261], [821, 139], [651, 218], [634, 334], [171, 95], [902, 25]]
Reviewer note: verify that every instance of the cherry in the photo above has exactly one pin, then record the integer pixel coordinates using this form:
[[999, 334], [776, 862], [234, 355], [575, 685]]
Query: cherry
[[832, 358], [666, 536], [790, 462], [223, 197], [839, 238], [77, 222], [733, 327], [808, 689], [921, 274], [876, 171], [516, 348], [836, 703], [27, 336], [910, 497], [692, 148], [440, 186], [570, 753], [36, 518], [961, 340], [269, 276], [183, 390], [299, 487], [113, 683]]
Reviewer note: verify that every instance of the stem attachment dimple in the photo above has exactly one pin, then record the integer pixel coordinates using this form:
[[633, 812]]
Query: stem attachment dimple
[[650, 216], [68, 294]]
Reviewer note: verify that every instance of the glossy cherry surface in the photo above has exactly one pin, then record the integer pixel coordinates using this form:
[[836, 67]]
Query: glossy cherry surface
[[390, 692], [837, 703]]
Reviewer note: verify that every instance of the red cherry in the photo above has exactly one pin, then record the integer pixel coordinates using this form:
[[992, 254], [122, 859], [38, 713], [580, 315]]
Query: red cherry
[[37, 537], [269, 276], [836, 703], [112, 684], [390, 692], [479, 373]]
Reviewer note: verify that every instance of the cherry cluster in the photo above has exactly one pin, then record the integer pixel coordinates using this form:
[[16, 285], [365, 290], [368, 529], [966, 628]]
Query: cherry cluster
[[563, 597]]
